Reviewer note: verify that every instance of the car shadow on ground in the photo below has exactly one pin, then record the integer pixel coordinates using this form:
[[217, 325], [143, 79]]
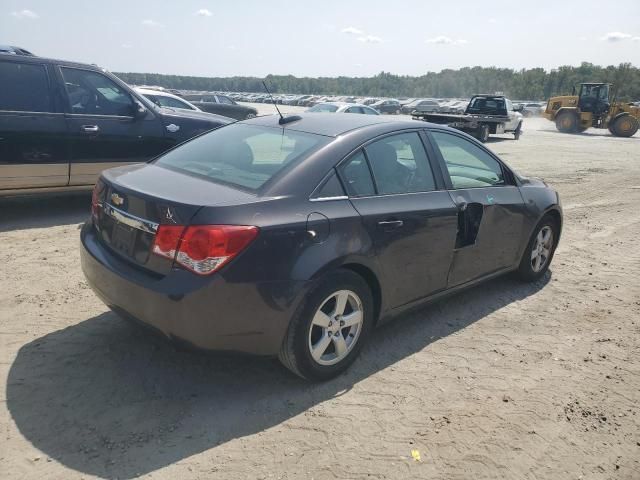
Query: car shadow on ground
[[107, 398], [21, 213]]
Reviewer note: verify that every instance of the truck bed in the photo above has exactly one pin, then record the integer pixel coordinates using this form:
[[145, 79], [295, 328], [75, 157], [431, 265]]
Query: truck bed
[[459, 118]]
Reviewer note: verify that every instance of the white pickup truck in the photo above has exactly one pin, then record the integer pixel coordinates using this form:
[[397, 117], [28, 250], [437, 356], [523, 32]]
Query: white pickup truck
[[485, 115]]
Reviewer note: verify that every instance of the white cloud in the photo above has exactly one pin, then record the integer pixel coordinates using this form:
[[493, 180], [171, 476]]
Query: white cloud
[[370, 39], [444, 40], [25, 14], [493, 20], [203, 12], [352, 31], [151, 23], [636, 39], [126, 45], [615, 37], [583, 39]]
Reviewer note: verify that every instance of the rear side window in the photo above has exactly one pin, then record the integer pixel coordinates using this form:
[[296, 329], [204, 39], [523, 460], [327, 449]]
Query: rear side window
[[94, 94], [400, 164], [24, 88], [357, 177], [468, 165], [242, 155]]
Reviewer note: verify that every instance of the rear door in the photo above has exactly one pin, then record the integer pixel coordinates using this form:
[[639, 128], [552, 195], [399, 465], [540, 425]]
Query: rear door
[[490, 208], [33, 142], [410, 220], [103, 131]]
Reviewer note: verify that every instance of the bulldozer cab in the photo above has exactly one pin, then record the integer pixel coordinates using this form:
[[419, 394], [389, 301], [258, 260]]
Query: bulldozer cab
[[594, 98]]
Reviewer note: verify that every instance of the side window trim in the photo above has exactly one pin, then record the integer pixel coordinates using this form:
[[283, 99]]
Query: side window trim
[[316, 195], [442, 182], [510, 178]]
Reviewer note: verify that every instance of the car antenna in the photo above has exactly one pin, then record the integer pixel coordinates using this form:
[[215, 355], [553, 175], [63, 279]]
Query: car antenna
[[283, 120]]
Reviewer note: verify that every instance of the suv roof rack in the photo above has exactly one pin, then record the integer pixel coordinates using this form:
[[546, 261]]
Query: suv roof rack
[[11, 50]]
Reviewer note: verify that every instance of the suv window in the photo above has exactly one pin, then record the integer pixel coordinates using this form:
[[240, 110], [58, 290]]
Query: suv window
[[400, 165], [94, 94], [469, 166], [357, 177], [25, 87]]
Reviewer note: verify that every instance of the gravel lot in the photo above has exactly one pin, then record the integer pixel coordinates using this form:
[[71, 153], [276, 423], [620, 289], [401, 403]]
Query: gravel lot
[[503, 381]]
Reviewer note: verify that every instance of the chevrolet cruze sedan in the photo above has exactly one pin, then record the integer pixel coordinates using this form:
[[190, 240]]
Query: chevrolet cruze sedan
[[295, 237]]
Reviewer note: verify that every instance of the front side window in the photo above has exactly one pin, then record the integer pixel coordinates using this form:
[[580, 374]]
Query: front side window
[[242, 155], [354, 110], [468, 165], [94, 94], [400, 165], [369, 111], [24, 88], [225, 100], [357, 176]]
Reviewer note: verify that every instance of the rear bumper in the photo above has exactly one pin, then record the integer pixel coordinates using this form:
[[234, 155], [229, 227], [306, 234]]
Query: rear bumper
[[205, 311]]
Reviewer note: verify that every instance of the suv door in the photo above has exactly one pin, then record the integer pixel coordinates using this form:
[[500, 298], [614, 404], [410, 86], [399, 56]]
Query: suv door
[[103, 129], [33, 143], [491, 208], [411, 222]]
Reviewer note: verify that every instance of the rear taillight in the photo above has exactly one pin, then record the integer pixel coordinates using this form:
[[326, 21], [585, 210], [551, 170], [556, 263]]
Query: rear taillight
[[203, 249], [96, 195]]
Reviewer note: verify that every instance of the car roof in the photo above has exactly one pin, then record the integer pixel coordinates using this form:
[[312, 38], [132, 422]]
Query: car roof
[[150, 91], [334, 125]]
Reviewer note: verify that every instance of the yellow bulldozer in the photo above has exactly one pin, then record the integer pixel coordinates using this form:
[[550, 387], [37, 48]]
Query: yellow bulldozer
[[595, 107]]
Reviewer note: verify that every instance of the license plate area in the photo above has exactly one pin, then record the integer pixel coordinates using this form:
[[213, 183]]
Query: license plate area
[[124, 238]]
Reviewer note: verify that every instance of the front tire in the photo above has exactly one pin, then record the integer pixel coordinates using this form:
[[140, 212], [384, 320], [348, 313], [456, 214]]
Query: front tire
[[539, 252], [624, 126], [327, 333]]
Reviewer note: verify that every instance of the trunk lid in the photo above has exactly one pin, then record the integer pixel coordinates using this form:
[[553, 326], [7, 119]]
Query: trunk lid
[[137, 199]]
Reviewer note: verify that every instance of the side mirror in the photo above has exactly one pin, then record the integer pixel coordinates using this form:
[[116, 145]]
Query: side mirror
[[139, 110]]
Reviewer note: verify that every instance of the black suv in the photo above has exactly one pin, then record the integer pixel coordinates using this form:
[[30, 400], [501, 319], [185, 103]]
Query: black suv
[[62, 123]]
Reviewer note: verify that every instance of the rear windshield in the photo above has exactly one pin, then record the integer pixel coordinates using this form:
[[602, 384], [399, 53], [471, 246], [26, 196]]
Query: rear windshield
[[323, 107], [246, 156]]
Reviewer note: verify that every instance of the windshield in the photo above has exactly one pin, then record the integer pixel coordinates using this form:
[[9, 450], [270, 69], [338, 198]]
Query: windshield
[[323, 107], [488, 105], [241, 155]]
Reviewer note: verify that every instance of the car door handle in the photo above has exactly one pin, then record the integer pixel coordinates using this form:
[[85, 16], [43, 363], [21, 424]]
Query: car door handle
[[390, 224], [90, 128]]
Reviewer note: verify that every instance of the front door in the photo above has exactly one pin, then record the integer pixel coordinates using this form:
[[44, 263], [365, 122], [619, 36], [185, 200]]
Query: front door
[[490, 208], [33, 143], [411, 223], [103, 130]]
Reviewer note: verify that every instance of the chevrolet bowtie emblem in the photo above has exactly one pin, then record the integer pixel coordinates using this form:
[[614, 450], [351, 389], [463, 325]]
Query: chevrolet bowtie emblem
[[116, 199]]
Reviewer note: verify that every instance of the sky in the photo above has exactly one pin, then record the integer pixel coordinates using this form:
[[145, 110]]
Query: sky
[[324, 38]]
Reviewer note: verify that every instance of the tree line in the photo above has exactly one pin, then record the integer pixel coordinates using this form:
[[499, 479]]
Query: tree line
[[529, 84]]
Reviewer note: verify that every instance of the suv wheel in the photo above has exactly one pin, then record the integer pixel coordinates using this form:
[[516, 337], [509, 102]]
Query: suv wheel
[[326, 335]]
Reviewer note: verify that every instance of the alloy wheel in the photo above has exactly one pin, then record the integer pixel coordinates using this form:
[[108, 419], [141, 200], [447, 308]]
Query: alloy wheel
[[541, 250], [335, 327]]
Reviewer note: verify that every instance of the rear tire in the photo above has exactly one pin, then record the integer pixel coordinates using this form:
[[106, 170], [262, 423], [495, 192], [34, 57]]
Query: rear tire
[[624, 126], [323, 338], [517, 132], [540, 249], [567, 122], [483, 133]]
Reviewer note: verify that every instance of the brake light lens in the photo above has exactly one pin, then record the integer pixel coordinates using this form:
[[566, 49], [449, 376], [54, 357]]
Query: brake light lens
[[203, 249], [95, 199]]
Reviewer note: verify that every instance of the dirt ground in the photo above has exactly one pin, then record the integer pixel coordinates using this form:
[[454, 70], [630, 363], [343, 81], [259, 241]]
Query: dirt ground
[[503, 381]]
